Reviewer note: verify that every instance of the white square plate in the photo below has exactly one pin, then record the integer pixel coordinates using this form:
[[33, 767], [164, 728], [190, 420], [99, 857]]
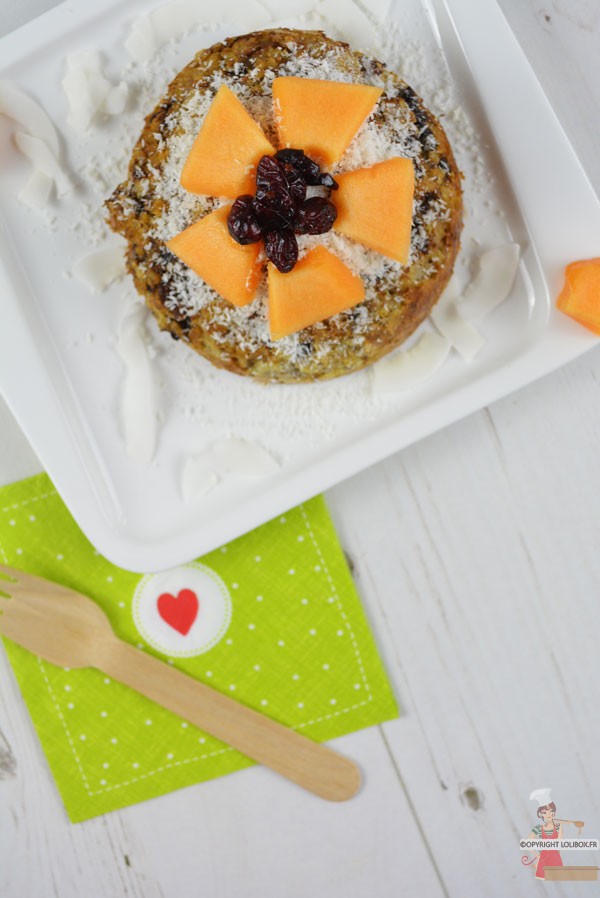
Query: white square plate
[[64, 390]]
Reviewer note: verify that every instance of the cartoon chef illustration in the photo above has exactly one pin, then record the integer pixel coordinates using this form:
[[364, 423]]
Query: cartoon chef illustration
[[550, 827]]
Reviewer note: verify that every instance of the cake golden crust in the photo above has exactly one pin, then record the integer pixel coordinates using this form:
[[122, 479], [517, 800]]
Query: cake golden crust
[[148, 208]]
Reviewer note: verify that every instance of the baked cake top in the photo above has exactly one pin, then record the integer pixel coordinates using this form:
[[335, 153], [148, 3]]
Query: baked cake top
[[151, 207]]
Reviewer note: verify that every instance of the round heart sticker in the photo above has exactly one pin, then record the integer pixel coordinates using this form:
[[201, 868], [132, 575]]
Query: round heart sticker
[[179, 611], [183, 611]]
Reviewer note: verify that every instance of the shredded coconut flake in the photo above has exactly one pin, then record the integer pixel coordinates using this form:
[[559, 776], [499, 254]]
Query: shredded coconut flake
[[39, 142], [43, 160], [88, 91], [152, 31], [98, 270], [202, 471], [350, 20], [37, 190], [492, 283], [20, 107], [407, 368], [138, 407], [464, 338]]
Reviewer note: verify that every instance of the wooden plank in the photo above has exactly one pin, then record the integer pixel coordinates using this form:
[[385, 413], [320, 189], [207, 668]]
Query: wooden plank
[[41, 853], [560, 38], [257, 839], [247, 834], [484, 598]]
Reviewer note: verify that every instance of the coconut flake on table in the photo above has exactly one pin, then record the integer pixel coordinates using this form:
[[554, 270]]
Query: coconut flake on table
[[141, 43], [39, 142], [20, 107], [88, 91], [409, 367], [116, 99], [98, 270], [138, 405], [445, 315], [349, 20], [197, 478], [293, 8], [43, 160], [37, 190], [378, 10], [165, 23], [492, 283], [202, 471]]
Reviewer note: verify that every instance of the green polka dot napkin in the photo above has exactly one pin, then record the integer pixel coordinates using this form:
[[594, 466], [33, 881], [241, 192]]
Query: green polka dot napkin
[[272, 619]]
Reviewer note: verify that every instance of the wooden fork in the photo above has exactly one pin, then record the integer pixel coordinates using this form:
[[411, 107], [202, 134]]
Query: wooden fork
[[67, 628]]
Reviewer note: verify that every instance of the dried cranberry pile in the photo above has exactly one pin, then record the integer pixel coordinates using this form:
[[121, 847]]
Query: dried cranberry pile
[[279, 210]]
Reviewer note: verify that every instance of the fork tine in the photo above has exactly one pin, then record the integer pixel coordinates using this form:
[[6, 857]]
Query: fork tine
[[26, 581], [5, 585], [14, 580], [11, 580], [10, 573]]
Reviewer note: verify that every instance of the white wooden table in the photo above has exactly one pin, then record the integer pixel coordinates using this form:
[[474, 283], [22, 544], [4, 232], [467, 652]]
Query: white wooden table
[[477, 556]]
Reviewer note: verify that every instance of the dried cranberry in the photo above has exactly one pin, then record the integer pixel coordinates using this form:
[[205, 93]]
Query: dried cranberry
[[280, 206], [274, 212], [309, 169], [281, 248], [270, 176], [315, 216], [296, 183], [242, 222], [273, 203]]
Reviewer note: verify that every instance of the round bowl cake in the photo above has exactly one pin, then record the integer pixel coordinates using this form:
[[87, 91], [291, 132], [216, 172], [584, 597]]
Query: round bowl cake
[[151, 207]]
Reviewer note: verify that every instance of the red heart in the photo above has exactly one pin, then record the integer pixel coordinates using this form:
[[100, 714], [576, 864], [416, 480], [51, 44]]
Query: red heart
[[179, 611]]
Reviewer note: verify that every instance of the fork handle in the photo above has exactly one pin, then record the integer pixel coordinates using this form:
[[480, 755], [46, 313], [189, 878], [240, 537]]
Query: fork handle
[[313, 766]]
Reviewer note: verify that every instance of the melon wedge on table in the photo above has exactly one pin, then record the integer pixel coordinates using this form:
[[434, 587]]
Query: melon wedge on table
[[319, 286], [375, 204], [208, 248], [580, 296], [321, 117], [224, 155]]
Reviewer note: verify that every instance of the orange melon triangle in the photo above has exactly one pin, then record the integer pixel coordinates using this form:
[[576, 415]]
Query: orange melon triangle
[[580, 296], [226, 151], [375, 204], [208, 248], [319, 286], [321, 117]]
